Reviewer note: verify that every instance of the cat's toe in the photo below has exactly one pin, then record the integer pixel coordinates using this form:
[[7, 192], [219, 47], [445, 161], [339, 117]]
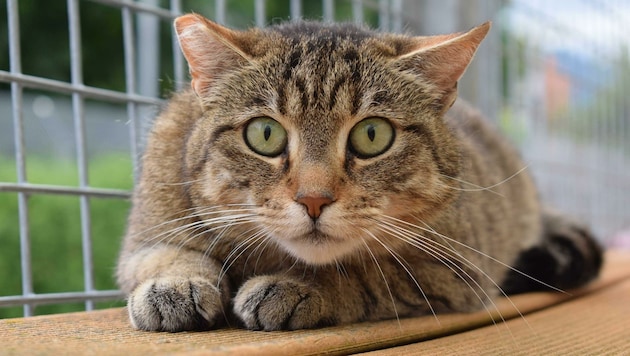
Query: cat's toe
[[275, 303], [175, 304]]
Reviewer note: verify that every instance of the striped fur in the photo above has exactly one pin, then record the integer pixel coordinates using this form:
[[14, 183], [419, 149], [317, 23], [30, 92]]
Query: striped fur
[[319, 235]]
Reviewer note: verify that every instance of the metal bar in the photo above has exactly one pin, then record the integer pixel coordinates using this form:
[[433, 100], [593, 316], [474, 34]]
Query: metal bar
[[383, 15], [357, 11], [329, 10], [61, 190], [259, 10], [219, 11], [138, 7], [55, 298], [130, 84], [78, 113], [397, 15], [178, 57], [296, 10], [148, 53], [29, 81], [15, 63]]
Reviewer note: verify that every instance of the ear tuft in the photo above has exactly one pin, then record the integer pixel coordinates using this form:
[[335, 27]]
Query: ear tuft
[[210, 49]]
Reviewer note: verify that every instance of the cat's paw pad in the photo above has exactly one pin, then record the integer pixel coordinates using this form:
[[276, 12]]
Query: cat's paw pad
[[271, 303], [175, 304]]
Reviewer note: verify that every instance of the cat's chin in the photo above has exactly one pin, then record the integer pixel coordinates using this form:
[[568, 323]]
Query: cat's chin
[[318, 248]]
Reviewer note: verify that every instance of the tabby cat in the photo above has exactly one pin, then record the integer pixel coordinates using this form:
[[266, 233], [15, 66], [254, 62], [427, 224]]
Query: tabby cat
[[320, 174]]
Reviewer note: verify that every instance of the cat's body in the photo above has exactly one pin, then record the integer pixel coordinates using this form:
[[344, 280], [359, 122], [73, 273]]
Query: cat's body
[[261, 197]]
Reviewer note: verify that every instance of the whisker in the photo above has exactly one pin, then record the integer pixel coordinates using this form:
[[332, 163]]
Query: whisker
[[463, 259], [449, 253], [205, 221], [260, 248], [180, 183], [231, 223], [198, 228], [478, 189], [482, 188], [404, 266], [380, 270], [177, 217], [444, 256], [232, 257], [489, 257], [446, 242]]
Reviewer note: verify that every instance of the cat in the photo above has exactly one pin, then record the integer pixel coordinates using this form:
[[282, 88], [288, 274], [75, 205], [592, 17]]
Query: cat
[[323, 174]]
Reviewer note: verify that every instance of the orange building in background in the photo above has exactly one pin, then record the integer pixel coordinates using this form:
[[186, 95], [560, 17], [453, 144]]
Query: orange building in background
[[557, 89]]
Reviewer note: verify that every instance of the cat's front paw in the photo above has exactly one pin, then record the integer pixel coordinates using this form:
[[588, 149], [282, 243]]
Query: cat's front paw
[[175, 304], [278, 303]]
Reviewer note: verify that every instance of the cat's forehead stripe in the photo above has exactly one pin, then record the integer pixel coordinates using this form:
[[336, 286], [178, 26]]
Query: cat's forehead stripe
[[300, 31], [318, 65]]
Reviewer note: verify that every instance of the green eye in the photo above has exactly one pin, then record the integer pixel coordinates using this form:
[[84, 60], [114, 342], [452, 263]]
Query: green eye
[[371, 137], [265, 136]]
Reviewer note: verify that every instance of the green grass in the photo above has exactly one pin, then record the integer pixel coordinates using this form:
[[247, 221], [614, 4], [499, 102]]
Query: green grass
[[55, 230]]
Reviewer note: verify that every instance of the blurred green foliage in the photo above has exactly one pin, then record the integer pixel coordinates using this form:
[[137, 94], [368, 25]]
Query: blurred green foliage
[[54, 221], [55, 230]]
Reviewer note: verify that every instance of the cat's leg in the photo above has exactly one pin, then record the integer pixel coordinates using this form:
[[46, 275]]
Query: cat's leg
[[355, 293], [282, 302], [174, 289], [567, 256]]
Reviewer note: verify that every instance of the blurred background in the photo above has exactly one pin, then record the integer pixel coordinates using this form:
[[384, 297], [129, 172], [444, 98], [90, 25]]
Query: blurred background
[[80, 81]]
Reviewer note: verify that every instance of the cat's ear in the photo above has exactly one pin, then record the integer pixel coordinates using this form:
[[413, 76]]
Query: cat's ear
[[441, 60], [210, 49]]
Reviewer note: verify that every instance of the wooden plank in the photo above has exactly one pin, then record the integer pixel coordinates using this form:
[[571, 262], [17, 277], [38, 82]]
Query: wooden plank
[[596, 324], [108, 331]]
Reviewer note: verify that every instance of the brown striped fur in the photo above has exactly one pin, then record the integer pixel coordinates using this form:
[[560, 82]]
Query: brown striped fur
[[319, 235]]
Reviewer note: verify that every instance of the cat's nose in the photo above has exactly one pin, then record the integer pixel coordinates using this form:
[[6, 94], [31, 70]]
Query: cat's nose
[[315, 203]]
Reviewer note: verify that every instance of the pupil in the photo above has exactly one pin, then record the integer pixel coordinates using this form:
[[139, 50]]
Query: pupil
[[371, 133], [267, 132]]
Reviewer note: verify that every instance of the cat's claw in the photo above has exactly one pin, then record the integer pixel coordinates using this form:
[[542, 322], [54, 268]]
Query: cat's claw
[[175, 304], [277, 303]]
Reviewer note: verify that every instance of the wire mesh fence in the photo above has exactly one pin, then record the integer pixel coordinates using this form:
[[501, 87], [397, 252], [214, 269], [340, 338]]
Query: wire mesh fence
[[565, 104], [80, 82]]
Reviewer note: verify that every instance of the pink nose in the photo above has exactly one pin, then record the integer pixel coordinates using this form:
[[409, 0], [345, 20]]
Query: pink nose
[[314, 204]]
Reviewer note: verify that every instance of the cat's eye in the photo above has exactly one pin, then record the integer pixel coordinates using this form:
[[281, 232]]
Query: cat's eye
[[371, 137], [265, 136]]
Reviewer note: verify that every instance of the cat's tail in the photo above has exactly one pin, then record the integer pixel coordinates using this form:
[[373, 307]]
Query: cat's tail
[[568, 256]]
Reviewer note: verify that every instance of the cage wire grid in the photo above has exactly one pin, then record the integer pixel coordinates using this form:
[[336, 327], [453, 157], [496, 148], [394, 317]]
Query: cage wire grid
[[390, 17], [79, 92], [539, 145]]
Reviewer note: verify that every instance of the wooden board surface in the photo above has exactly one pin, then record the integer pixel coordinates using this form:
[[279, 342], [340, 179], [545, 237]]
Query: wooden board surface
[[592, 320]]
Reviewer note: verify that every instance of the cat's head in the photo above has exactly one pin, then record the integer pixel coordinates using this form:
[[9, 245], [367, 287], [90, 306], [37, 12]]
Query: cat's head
[[328, 132]]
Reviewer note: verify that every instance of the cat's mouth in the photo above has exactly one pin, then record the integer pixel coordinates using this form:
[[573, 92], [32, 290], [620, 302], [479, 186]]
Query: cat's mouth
[[316, 237], [317, 247]]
